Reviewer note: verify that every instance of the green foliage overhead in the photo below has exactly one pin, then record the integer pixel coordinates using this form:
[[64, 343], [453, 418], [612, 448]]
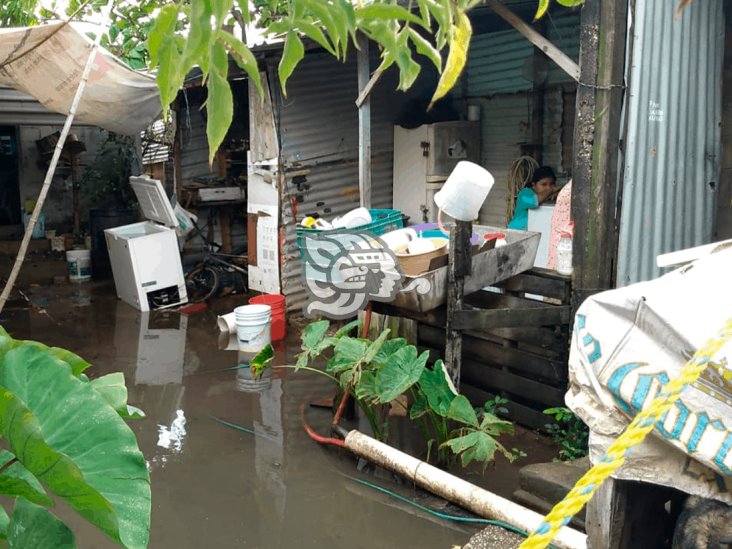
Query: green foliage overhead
[[66, 435], [173, 38]]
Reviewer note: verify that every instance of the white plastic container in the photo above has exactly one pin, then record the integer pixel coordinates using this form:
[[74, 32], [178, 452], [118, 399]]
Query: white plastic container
[[564, 254], [253, 327], [78, 263], [464, 192]]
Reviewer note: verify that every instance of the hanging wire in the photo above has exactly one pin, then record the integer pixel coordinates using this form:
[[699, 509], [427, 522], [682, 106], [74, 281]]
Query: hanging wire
[[520, 173]]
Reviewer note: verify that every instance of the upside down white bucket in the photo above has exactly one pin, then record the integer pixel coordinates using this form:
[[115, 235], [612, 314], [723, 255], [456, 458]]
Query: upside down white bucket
[[78, 263], [253, 327]]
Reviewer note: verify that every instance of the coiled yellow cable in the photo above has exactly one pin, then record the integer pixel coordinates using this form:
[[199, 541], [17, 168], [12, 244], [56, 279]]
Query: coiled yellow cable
[[634, 434]]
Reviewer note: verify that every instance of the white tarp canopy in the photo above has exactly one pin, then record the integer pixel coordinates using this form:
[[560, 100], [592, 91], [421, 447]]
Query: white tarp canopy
[[628, 343], [47, 61]]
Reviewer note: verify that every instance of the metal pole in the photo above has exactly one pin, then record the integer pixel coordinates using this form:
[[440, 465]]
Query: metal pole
[[364, 125]]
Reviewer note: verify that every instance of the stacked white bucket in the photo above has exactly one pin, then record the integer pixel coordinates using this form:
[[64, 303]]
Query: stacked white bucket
[[253, 327]]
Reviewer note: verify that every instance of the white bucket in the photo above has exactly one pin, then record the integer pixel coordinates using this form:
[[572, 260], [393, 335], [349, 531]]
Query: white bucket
[[253, 327], [78, 263], [464, 192]]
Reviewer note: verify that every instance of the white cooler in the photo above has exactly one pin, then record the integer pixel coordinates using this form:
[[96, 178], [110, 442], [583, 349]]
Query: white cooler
[[144, 256]]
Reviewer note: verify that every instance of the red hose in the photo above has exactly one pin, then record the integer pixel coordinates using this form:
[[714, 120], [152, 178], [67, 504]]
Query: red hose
[[366, 320], [315, 436]]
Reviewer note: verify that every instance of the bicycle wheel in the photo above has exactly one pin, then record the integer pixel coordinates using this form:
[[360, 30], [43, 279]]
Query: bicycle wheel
[[202, 283]]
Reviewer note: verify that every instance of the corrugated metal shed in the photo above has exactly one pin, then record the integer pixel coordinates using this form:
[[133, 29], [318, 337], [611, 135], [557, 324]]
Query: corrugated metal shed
[[18, 108], [500, 62], [672, 164], [318, 126]]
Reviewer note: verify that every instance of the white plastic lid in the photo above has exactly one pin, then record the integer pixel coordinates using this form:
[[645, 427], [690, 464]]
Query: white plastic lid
[[153, 200]]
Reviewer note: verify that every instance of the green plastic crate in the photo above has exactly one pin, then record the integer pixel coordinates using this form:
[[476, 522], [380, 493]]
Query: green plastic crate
[[383, 222]]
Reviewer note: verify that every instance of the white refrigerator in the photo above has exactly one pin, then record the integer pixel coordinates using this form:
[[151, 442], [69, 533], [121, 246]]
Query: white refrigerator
[[423, 159], [145, 259]]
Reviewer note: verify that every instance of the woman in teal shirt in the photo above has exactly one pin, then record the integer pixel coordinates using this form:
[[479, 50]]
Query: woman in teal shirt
[[536, 191]]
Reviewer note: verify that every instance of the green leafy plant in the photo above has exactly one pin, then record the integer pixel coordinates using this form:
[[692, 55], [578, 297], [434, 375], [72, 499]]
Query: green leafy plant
[[570, 432], [104, 183], [386, 372], [65, 434], [496, 406]]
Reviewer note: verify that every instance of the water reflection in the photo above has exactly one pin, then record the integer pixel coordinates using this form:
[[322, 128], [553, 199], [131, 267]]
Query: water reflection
[[155, 342], [171, 438], [159, 338], [245, 380]]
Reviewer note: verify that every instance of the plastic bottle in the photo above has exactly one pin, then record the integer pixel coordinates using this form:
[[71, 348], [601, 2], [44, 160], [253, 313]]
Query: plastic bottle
[[564, 253]]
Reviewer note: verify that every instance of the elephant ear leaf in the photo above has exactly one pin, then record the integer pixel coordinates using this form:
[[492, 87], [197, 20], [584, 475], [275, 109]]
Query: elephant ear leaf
[[77, 364], [113, 390], [4, 523], [16, 480], [34, 526], [74, 443]]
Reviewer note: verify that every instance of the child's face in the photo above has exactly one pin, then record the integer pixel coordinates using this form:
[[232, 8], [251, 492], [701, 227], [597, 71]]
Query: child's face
[[543, 188]]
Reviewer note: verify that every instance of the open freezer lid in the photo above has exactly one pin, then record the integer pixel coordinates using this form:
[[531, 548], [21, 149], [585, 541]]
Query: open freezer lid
[[153, 200]]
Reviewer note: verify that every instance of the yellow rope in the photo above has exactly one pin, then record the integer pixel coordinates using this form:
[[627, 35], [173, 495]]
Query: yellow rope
[[634, 434]]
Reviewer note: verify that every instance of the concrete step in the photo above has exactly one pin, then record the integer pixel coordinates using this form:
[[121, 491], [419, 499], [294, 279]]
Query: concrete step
[[542, 485]]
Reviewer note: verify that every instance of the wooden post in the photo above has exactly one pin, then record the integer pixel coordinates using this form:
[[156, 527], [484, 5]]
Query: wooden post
[[596, 143], [364, 125], [459, 266], [75, 191]]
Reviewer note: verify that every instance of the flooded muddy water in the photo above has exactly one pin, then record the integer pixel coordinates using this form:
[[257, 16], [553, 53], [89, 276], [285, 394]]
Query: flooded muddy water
[[215, 486]]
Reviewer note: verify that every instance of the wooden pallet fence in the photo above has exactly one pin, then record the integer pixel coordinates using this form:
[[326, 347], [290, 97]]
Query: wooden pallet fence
[[513, 346]]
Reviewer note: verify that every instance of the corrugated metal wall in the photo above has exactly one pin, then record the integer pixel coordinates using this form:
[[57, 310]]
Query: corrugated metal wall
[[504, 124], [18, 108], [499, 62], [496, 63], [318, 125], [673, 151], [193, 144], [563, 31]]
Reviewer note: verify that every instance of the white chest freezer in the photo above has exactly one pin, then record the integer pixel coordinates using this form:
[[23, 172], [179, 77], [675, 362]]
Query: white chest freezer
[[540, 221], [144, 256]]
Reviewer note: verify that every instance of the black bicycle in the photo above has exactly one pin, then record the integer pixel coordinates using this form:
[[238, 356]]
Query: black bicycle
[[217, 274]]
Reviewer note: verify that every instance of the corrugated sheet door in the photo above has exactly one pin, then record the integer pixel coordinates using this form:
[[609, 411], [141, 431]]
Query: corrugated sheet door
[[673, 151]]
